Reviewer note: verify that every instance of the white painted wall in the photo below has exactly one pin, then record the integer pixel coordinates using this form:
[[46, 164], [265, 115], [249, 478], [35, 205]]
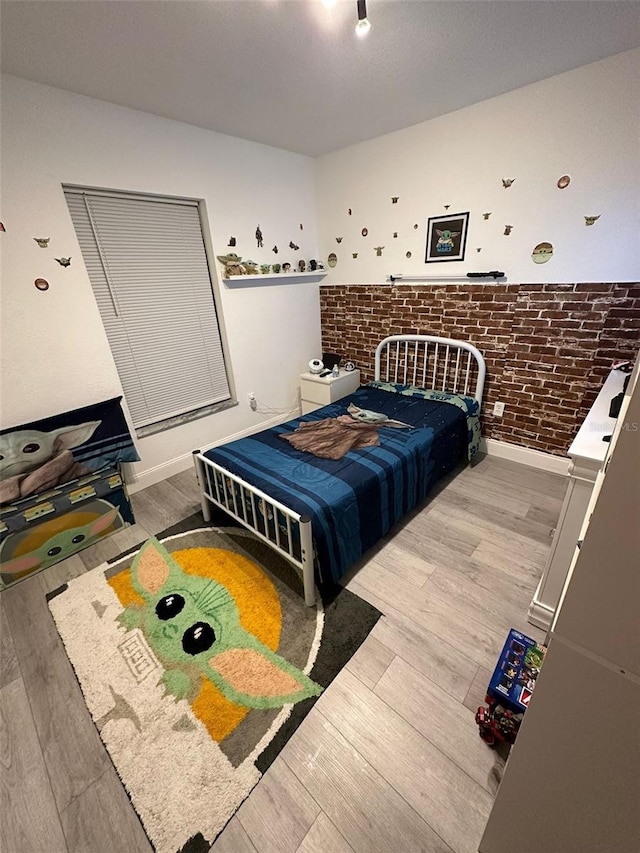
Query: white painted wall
[[55, 354], [583, 123]]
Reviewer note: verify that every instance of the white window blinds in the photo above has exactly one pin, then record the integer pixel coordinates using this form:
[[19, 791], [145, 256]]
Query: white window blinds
[[148, 269]]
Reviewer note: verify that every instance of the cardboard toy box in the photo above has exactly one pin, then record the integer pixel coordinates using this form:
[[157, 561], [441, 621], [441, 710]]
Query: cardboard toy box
[[516, 672]]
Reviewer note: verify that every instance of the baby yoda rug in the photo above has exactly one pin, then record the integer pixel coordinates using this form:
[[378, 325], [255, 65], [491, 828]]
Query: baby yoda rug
[[198, 659]]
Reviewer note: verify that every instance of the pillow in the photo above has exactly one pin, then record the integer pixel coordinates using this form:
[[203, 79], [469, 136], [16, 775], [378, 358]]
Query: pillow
[[42, 454], [468, 404]]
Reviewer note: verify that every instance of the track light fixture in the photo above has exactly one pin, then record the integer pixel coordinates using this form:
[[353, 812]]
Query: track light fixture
[[363, 26]]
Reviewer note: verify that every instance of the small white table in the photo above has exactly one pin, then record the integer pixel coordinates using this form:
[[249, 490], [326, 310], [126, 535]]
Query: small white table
[[317, 391], [587, 454]]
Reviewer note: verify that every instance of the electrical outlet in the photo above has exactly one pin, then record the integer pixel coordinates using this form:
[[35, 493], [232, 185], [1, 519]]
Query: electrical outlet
[[252, 400], [498, 409]]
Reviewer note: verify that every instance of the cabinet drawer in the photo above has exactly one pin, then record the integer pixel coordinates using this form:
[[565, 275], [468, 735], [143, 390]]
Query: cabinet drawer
[[315, 392]]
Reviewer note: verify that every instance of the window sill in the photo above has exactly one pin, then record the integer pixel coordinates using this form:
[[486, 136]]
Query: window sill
[[187, 417]]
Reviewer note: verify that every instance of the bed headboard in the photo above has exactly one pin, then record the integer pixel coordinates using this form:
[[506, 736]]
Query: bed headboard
[[443, 364]]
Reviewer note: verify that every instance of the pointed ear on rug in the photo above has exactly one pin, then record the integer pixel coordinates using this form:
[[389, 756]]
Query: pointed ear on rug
[[256, 677], [151, 568]]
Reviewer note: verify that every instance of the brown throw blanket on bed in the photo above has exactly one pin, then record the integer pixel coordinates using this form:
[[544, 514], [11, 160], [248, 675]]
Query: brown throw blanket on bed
[[333, 437]]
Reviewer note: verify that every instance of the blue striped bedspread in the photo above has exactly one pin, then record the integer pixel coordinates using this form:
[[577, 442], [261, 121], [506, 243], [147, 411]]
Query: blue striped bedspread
[[354, 501]]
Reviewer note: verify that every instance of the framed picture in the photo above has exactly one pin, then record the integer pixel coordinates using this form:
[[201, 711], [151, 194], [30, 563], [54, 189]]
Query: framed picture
[[446, 237]]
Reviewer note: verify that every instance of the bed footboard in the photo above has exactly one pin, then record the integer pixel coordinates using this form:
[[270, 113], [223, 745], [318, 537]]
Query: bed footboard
[[284, 530]]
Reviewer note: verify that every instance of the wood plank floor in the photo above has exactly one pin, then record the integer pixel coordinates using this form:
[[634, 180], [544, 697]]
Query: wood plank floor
[[389, 758]]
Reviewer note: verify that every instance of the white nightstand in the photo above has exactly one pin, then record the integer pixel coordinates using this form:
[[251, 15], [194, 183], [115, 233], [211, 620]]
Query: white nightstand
[[316, 391]]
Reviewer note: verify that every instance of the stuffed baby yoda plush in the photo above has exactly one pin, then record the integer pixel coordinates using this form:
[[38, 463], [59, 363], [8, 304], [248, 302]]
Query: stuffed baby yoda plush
[[232, 265]]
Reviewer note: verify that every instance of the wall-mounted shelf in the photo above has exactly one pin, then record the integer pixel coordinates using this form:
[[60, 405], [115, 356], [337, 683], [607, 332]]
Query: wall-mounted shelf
[[271, 278]]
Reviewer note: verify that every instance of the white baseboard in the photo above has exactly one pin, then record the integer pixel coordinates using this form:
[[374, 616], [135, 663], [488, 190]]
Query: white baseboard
[[525, 456], [491, 446], [540, 615], [136, 481]]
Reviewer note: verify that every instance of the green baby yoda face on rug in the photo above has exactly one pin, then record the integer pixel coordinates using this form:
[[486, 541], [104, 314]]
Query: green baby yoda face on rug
[[193, 626]]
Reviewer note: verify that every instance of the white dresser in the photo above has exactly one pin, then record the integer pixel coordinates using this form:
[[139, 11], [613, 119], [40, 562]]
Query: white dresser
[[316, 391], [587, 454]]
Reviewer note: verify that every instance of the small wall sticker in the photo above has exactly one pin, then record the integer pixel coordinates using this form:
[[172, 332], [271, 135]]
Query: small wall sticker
[[275, 250], [542, 253], [338, 239], [507, 182], [378, 250], [479, 249], [2, 228], [408, 255], [486, 215], [447, 206], [64, 262], [364, 232], [332, 260], [259, 237], [354, 255], [394, 199], [301, 227], [349, 211], [395, 233], [232, 241], [293, 246], [416, 226], [43, 242], [41, 284], [563, 182], [589, 220], [507, 230]]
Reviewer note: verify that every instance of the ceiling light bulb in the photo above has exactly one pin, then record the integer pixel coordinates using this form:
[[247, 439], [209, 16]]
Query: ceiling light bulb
[[363, 26]]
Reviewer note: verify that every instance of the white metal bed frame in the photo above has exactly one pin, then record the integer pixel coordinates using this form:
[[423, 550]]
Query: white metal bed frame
[[425, 361]]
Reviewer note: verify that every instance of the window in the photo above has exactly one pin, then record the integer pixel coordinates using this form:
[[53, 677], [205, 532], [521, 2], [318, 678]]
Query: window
[[148, 268]]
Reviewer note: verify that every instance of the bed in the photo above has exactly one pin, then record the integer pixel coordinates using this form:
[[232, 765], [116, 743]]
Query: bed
[[323, 514]]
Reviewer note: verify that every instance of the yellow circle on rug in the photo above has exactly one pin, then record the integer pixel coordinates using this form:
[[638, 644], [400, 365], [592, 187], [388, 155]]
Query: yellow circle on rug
[[258, 607]]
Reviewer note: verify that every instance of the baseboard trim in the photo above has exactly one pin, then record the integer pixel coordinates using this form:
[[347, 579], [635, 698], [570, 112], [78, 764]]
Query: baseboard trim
[[540, 615], [525, 456], [136, 481]]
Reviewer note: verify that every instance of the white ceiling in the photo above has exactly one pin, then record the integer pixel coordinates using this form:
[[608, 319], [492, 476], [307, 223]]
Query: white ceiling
[[292, 73]]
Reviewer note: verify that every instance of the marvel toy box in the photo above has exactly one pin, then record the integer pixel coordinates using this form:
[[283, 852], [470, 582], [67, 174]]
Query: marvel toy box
[[516, 672]]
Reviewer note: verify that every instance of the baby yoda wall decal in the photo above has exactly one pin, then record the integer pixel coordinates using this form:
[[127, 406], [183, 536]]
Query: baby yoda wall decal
[[43, 242], [193, 625], [64, 262], [507, 182]]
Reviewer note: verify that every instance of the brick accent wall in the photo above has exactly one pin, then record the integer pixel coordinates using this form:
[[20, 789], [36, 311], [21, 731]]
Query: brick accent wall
[[548, 347]]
